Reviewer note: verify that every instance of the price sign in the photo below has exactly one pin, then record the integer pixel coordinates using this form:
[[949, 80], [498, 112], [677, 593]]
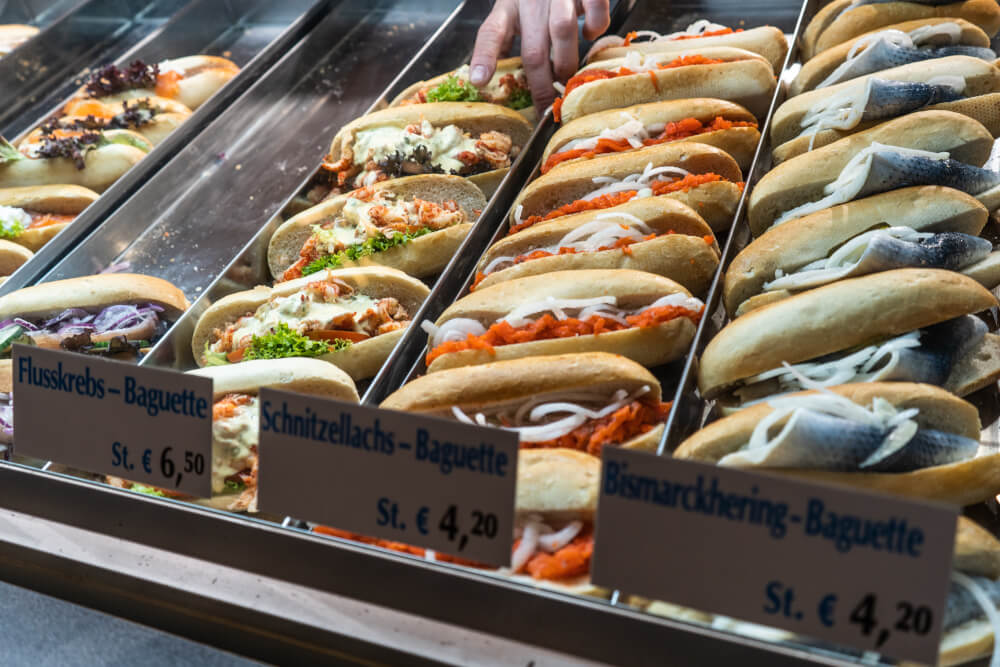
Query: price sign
[[423, 481], [857, 568], [145, 425]]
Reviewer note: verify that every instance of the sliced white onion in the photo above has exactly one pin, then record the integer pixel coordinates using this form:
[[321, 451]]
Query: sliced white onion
[[457, 329], [520, 316], [560, 88], [526, 547], [925, 33], [553, 542]]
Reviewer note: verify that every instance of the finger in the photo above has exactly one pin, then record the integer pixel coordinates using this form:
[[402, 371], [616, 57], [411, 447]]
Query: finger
[[534, 17], [494, 37], [565, 42], [597, 18]]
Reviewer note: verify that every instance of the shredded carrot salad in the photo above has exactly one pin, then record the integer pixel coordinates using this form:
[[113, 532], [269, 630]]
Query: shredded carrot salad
[[587, 76], [660, 187], [46, 219], [573, 560], [689, 127], [548, 327], [629, 38], [627, 422], [227, 405]]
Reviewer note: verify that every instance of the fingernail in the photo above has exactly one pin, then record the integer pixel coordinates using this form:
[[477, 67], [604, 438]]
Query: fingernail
[[477, 76]]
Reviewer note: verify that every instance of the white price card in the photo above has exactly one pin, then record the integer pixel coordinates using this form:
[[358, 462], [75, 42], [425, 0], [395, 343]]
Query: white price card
[[857, 568], [145, 425], [409, 478]]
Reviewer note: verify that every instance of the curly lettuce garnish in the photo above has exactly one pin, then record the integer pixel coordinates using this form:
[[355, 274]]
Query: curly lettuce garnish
[[454, 89], [353, 253], [519, 99], [8, 154], [284, 343]]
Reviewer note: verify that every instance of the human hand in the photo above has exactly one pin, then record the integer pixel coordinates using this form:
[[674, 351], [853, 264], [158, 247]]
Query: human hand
[[546, 27]]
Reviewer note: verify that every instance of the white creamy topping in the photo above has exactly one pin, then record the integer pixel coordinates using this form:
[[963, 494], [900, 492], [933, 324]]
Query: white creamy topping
[[232, 441], [305, 306], [11, 217], [443, 144]]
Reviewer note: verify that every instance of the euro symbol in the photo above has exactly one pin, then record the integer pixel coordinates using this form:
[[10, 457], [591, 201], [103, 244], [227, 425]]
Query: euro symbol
[[145, 461], [422, 520], [826, 610]]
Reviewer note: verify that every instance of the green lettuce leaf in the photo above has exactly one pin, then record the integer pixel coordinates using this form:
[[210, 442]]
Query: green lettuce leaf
[[285, 343], [353, 253], [8, 154], [453, 89]]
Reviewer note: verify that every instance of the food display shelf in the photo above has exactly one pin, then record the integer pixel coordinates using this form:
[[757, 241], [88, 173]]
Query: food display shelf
[[202, 221], [252, 34]]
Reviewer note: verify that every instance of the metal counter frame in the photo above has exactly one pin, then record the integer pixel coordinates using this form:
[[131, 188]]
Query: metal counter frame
[[223, 158]]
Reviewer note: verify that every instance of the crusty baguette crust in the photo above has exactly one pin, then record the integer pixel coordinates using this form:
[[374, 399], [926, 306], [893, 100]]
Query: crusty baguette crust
[[819, 68], [965, 643], [746, 79], [977, 551], [740, 143], [981, 78], [478, 386], [92, 292], [203, 77], [961, 483], [102, 167], [361, 359], [6, 375], [983, 108], [836, 317], [57, 199], [833, 25], [303, 376], [423, 256], [802, 179], [504, 66], [792, 245], [567, 183], [472, 117], [557, 483], [12, 256], [766, 41]]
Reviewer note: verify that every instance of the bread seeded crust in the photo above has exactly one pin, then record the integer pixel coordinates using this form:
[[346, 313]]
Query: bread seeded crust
[[835, 317], [361, 359], [962, 483], [93, 293], [649, 346], [790, 246], [819, 68], [981, 78], [739, 142], [835, 23], [802, 179], [420, 257]]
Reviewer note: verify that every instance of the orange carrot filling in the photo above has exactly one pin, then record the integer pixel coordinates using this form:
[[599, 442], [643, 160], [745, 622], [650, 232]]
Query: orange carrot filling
[[661, 187], [548, 327], [629, 421], [629, 38], [587, 76], [167, 84], [46, 219], [689, 127], [573, 560]]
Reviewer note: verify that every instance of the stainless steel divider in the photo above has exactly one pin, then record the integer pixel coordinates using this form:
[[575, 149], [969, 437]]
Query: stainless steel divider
[[246, 34]]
